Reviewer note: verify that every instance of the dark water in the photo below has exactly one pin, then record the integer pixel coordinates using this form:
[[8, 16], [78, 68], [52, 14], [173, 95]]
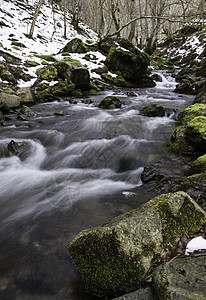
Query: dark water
[[81, 169]]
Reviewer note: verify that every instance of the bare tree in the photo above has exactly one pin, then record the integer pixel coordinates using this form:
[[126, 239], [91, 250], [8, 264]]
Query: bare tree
[[38, 7]]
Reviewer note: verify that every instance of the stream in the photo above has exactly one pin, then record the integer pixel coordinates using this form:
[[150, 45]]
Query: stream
[[82, 168]]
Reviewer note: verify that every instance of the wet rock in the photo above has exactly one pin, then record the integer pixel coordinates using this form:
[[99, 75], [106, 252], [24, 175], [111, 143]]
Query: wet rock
[[60, 113], [150, 173], [131, 94], [115, 257], [153, 110], [196, 133], [156, 77], [198, 166], [27, 111], [16, 147], [110, 102], [182, 278], [75, 46], [141, 294], [25, 95], [185, 87]]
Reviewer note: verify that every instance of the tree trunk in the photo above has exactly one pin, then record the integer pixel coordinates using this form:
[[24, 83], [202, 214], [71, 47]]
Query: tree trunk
[[65, 20], [39, 4]]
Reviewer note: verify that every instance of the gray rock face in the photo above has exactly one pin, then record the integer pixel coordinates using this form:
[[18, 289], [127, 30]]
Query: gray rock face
[[115, 257], [9, 101], [25, 95], [182, 279]]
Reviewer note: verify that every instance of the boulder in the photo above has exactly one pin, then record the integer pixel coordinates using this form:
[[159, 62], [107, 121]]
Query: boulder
[[141, 294], [201, 98], [75, 46], [198, 166], [153, 110], [72, 71], [8, 101], [16, 147], [115, 257], [150, 173], [27, 111], [196, 133], [48, 73], [132, 66], [182, 278], [6, 75], [25, 95], [156, 77], [110, 102]]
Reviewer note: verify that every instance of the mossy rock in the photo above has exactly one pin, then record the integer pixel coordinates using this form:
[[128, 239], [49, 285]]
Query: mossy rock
[[198, 166], [201, 71], [18, 44], [49, 58], [132, 66], [185, 87], [25, 95], [182, 278], [27, 111], [31, 63], [92, 92], [108, 78], [8, 101], [156, 77], [75, 46], [101, 70], [153, 110], [110, 102], [189, 113], [120, 81], [6, 75], [201, 98], [57, 90], [47, 73], [115, 257], [196, 133], [77, 93]]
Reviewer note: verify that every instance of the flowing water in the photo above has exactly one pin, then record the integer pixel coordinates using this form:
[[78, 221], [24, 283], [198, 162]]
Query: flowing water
[[82, 168]]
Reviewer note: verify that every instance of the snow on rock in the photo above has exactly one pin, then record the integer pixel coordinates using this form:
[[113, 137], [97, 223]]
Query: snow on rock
[[198, 243]]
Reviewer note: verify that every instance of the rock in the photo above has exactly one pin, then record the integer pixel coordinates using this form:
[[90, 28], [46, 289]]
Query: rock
[[27, 111], [150, 173], [201, 98], [59, 89], [9, 101], [185, 87], [6, 75], [196, 133], [198, 166], [189, 113], [116, 256], [25, 95], [132, 66], [156, 77], [153, 110], [141, 294], [1, 116], [182, 278], [16, 148], [75, 46], [48, 73], [110, 102], [73, 72], [201, 71]]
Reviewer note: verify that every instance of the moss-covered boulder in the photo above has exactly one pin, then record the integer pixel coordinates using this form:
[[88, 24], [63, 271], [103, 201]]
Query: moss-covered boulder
[[190, 131], [48, 73], [110, 102], [196, 133], [72, 71], [59, 89], [201, 98], [75, 46], [153, 110], [132, 65], [115, 257], [6, 75], [25, 95], [182, 278], [198, 166]]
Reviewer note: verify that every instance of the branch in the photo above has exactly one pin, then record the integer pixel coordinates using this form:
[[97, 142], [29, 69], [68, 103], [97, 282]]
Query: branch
[[166, 18]]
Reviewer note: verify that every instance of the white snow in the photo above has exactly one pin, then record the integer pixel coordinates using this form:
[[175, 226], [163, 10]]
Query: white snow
[[46, 40], [198, 243]]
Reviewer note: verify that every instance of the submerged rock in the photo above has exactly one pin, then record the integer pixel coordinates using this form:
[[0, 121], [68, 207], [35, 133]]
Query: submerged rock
[[182, 278], [153, 110], [115, 257], [16, 148], [110, 102]]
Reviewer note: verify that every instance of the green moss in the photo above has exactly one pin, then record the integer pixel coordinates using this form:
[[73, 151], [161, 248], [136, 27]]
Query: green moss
[[18, 44], [74, 62], [47, 73], [31, 63], [47, 57], [104, 270], [108, 78], [176, 223], [190, 113], [148, 249], [77, 93], [198, 166], [180, 146], [196, 132], [92, 92], [194, 181]]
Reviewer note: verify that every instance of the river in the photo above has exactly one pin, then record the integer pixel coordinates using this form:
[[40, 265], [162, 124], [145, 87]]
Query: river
[[82, 168]]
